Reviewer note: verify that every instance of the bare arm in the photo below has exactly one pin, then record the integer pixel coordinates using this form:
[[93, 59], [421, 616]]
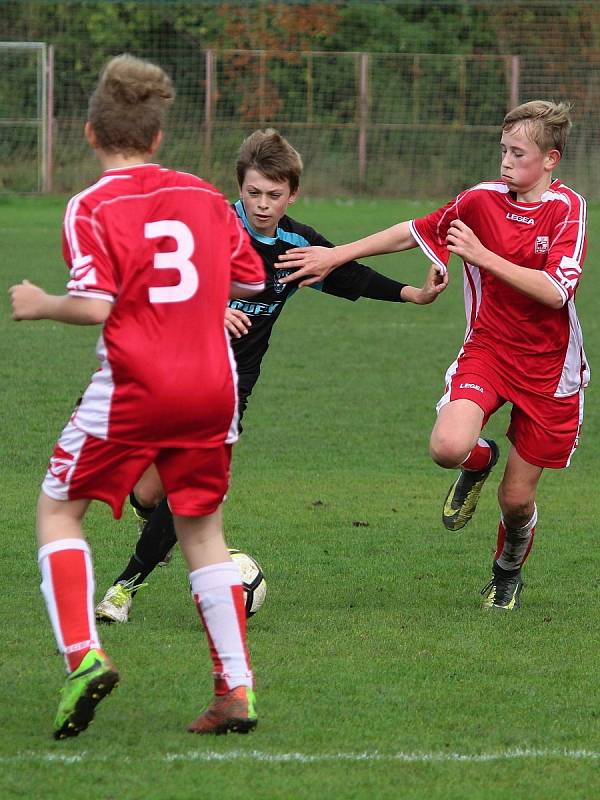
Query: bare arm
[[533, 283], [31, 302], [313, 264]]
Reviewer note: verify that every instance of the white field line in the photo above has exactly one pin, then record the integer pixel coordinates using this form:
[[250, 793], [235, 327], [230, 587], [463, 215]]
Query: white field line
[[373, 756]]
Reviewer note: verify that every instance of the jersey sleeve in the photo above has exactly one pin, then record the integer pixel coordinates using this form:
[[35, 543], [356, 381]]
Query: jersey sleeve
[[247, 268], [91, 272], [430, 232], [567, 248]]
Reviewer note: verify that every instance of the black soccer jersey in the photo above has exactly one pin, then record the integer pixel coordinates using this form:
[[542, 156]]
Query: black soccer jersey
[[348, 281]]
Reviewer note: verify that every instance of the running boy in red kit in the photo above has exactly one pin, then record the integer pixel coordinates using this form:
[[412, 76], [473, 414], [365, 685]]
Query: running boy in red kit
[[153, 255], [522, 241]]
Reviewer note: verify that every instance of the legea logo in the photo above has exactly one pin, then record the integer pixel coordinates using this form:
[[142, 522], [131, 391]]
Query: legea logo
[[471, 386], [519, 218]]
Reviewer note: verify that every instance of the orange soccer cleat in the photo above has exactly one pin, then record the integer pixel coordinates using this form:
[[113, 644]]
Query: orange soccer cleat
[[234, 711]]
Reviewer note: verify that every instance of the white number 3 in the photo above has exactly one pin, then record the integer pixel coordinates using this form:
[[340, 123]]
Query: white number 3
[[178, 259]]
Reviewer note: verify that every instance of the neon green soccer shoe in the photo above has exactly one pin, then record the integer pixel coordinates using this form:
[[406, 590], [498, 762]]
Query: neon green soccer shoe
[[94, 679]]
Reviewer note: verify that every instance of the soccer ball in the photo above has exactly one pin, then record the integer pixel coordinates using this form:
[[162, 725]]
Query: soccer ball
[[255, 585]]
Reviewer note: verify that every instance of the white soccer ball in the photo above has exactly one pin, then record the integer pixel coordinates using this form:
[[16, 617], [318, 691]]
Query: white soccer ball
[[255, 585]]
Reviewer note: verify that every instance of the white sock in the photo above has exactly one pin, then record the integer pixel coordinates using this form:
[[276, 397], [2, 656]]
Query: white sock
[[219, 597]]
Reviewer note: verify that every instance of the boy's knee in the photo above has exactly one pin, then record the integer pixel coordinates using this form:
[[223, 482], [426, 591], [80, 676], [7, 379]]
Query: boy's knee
[[447, 452], [516, 505], [147, 496]]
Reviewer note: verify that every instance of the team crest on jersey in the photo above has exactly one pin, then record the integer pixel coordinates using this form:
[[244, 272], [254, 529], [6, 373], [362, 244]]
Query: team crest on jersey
[[281, 273], [541, 244], [61, 464]]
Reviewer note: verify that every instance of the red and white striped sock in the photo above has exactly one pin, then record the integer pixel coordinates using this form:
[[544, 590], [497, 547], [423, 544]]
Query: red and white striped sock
[[219, 597], [68, 588], [479, 457], [514, 544]]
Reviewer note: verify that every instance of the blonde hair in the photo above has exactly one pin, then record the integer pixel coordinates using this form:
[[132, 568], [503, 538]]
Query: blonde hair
[[127, 108], [547, 124], [268, 152]]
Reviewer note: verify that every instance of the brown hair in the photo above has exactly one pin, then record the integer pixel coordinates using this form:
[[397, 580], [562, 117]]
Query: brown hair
[[268, 152], [547, 124], [127, 108]]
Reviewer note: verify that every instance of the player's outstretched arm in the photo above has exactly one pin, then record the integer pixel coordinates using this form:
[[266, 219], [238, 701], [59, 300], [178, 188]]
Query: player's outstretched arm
[[432, 288], [313, 264], [534, 283], [32, 302]]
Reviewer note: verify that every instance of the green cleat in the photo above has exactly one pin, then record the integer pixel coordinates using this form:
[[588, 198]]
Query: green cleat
[[463, 495], [504, 590], [94, 679]]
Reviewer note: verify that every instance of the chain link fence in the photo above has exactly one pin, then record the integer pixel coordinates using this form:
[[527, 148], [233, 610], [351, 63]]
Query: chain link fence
[[366, 117]]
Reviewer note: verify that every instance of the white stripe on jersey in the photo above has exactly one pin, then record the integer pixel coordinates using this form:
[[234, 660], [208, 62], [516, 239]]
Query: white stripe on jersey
[[425, 248], [472, 295], [92, 414], [561, 290], [97, 295], [581, 219], [572, 378], [490, 186], [234, 427], [71, 213], [257, 287]]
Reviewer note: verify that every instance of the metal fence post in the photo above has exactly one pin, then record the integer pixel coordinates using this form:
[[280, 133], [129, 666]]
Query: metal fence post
[[363, 117], [49, 122], [515, 69], [209, 95]]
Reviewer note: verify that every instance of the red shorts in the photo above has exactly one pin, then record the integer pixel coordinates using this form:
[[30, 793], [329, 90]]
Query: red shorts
[[543, 429], [84, 467]]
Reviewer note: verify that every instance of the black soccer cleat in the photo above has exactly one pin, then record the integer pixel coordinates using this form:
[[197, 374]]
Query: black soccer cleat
[[463, 496], [503, 592]]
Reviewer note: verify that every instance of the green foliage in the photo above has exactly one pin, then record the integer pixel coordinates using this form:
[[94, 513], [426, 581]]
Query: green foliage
[[372, 656]]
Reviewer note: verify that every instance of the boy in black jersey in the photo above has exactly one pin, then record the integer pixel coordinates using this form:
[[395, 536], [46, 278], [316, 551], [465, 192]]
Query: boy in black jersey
[[268, 172]]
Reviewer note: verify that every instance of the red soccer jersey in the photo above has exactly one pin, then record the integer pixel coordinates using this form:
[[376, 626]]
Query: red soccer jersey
[[164, 247], [538, 347]]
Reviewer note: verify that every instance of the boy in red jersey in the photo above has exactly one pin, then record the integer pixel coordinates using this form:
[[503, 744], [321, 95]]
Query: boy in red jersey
[[153, 255], [522, 241]]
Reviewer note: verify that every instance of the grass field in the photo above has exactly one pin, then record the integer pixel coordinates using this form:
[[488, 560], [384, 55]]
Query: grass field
[[378, 675]]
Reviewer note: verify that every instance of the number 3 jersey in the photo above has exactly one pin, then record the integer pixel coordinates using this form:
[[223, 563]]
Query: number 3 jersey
[[164, 248], [535, 346]]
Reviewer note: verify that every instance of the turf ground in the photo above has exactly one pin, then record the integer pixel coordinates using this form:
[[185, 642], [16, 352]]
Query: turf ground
[[378, 674]]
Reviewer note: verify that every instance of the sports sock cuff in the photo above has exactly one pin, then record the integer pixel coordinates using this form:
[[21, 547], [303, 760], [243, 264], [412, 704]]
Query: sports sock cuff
[[528, 525], [215, 576], [479, 457], [62, 544]]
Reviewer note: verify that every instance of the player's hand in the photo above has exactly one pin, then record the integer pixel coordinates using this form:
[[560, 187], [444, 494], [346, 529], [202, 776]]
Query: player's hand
[[433, 286], [462, 241], [28, 301], [236, 322], [310, 264]]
